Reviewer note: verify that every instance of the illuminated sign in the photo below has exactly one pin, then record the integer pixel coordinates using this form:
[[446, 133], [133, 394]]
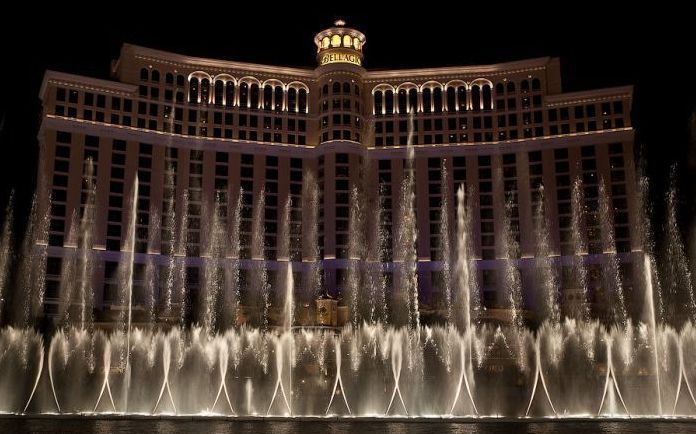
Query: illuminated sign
[[335, 56]]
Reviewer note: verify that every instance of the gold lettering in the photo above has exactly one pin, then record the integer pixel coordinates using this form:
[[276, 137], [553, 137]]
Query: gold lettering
[[340, 57]]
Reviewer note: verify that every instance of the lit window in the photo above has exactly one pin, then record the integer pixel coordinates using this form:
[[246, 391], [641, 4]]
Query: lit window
[[356, 43], [347, 41], [325, 42], [335, 41]]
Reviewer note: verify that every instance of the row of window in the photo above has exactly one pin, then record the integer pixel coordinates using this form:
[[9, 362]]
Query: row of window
[[434, 97], [118, 191], [250, 95], [490, 279], [226, 91]]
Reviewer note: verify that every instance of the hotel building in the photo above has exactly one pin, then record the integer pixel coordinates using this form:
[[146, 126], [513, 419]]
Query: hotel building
[[218, 126]]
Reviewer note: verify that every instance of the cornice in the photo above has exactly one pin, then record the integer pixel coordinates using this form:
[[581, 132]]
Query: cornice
[[191, 62], [498, 69], [84, 82], [589, 96]]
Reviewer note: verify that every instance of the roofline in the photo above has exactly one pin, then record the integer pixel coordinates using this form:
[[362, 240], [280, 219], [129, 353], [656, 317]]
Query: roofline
[[192, 61], [495, 68], [603, 93], [84, 82]]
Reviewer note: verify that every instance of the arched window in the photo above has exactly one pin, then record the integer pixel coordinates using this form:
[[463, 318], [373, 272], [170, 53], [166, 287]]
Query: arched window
[[292, 99], [336, 87], [461, 96], [356, 89], [267, 97], [278, 98], [302, 101], [346, 88], [402, 105], [378, 102], [536, 84], [487, 97], [475, 97], [325, 90], [356, 43], [193, 90], [180, 80], [511, 87], [335, 41], [143, 74], [389, 102], [254, 96], [244, 95], [437, 100], [169, 78], [155, 75], [205, 91], [325, 42], [524, 85], [412, 100], [229, 94], [219, 92], [347, 41], [499, 89], [427, 107], [451, 99]]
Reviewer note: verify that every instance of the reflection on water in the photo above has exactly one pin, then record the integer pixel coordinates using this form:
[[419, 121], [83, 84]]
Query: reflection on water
[[21, 425]]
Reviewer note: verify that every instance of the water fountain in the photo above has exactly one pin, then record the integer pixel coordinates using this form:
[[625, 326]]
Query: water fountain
[[386, 361]]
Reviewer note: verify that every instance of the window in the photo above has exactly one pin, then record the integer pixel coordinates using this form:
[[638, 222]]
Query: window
[[389, 102], [402, 101], [461, 96], [437, 100], [254, 96], [229, 94], [476, 98], [278, 98], [219, 92], [487, 97], [244, 95], [302, 101], [205, 91], [193, 90], [292, 100], [267, 97], [378, 102], [427, 107]]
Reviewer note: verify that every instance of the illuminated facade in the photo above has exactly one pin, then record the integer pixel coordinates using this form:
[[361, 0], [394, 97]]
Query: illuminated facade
[[216, 127]]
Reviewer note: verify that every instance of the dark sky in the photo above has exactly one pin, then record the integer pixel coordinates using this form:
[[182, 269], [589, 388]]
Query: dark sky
[[599, 45]]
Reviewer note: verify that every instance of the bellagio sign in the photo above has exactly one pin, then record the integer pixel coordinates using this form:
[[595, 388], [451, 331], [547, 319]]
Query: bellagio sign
[[335, 56]]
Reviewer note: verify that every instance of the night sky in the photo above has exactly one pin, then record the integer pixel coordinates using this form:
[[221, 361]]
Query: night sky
[[599, 46]]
